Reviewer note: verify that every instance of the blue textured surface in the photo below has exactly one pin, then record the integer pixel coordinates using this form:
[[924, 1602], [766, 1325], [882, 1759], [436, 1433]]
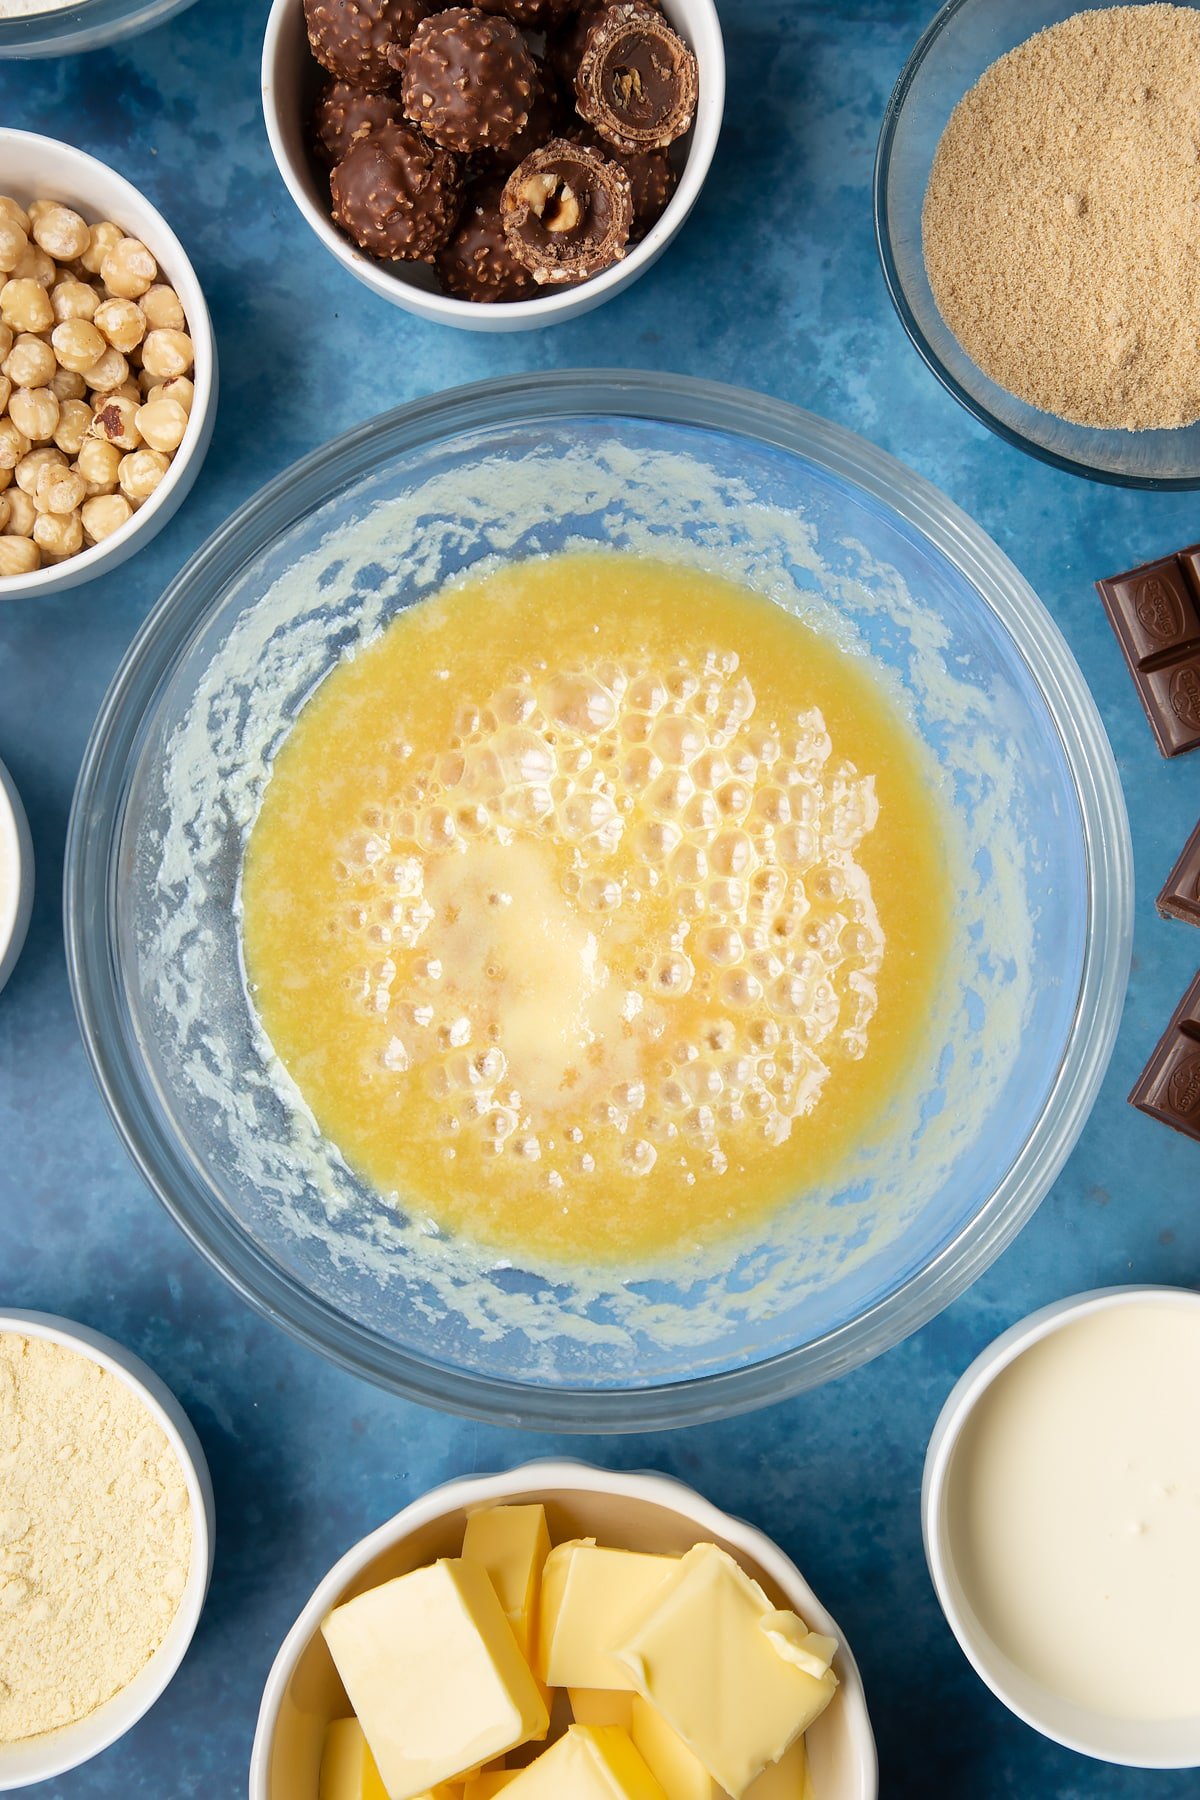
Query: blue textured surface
[[774, 284]]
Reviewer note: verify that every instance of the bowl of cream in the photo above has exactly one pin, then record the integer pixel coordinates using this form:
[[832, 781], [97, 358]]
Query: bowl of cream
[[1060, 1505]]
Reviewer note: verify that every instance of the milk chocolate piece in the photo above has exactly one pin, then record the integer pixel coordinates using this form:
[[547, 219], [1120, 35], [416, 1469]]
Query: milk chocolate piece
[[343, 114], [1169, 1088], [567, 212], [397, 195], [351, 38], [469, 80], [637, 81], [1155, 612], [1180, 897], [477, 263]]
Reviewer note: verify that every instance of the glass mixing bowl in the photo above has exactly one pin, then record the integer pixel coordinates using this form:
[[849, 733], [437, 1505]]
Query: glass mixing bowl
[[963, 40], [707, 476], [85, 25]]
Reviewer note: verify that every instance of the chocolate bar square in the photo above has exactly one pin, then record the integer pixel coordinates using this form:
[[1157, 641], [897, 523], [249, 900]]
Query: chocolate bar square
[[1180, 897], [1169, 1085]]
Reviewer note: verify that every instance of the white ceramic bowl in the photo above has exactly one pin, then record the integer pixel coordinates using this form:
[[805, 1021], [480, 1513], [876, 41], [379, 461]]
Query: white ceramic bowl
[[16, 875], [42, 1758], [645, 1512], [1170, 1744], [42, 168], [290, 81]]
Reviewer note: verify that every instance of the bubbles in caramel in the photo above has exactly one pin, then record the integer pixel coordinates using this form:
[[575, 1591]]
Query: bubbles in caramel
[[572, 955]]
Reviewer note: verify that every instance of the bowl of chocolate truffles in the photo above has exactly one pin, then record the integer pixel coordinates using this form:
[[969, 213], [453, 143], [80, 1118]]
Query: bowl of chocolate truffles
[[496, 166]]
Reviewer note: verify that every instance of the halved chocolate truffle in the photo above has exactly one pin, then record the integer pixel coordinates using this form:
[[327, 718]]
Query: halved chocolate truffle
[[567, 212]]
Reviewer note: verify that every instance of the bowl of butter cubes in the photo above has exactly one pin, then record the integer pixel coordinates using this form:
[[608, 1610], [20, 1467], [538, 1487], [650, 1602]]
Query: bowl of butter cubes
[[557, 1631]]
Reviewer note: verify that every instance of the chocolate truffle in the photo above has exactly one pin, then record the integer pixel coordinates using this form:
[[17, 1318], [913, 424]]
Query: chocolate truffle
[[477, 263], [637, 80], [397, 195], [653, 178], [567, 212], [548, 116], [351, 38], [343, 114], [470, 80], [531, 15], [566, 42]]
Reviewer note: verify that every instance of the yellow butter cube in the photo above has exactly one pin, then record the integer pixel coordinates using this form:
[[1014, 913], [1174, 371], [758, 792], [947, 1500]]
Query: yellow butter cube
[[348, 1769], [590, 1597], [512, 1543], [591, 1762], [700, 1655], [787, 1779], [678, 1770], [434, 1674], [601, 1706], [488, 1782]]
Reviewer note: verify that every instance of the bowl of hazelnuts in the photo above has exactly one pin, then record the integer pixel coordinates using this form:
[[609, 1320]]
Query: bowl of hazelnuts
[[496, 166], [108, 373]]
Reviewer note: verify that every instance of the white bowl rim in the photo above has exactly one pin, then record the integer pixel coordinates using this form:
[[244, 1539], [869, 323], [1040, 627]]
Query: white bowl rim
[[90, 562], [545, 308], [71, 1745], [559, 1474], [16, 842], [959, 1406]]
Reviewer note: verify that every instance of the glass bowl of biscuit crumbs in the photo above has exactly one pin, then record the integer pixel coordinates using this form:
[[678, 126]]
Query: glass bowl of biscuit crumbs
[[1033, 191]]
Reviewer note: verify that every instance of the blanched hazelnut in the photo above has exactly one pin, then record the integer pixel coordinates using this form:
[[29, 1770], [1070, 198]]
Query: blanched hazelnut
[[162, 423], [140, 473], [115, 420], [34, 265], [73, 299], [123, 324], [21, 512], [13, 445], [59, 231], [107, 373], [66, 384], [77, 344], [59, 489], [35, 412], [32, 464], [30, 362], [99, 462], [10, 210], [167, 353], [103, 515], [163, 308], [25, 306], [177, 387], [105, 236], [19, 556], [58, 535], [74, 418], [128, 270], [12, 243]]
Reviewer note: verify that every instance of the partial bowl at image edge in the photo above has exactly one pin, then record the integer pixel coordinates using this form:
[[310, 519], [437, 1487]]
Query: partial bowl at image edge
[[115, 1059]]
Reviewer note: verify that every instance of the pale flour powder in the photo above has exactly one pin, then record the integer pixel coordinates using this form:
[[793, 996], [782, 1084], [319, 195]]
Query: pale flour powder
[[95, 1536]]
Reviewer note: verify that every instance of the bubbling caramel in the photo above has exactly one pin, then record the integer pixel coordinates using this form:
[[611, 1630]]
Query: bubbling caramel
[[596, 907], [616, 915]]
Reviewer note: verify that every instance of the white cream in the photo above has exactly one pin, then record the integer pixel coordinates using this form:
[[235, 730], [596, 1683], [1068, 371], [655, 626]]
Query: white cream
[[1073, 1506]]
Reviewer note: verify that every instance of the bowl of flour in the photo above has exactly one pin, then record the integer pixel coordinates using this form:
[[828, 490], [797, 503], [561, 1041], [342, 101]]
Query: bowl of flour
[[106, 1535]]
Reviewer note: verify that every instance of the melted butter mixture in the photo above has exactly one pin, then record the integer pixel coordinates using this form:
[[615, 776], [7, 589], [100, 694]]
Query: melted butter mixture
[[596, 908]]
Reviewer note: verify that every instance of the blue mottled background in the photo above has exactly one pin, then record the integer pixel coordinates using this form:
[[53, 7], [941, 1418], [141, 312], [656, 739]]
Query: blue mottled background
[[774, 284]]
